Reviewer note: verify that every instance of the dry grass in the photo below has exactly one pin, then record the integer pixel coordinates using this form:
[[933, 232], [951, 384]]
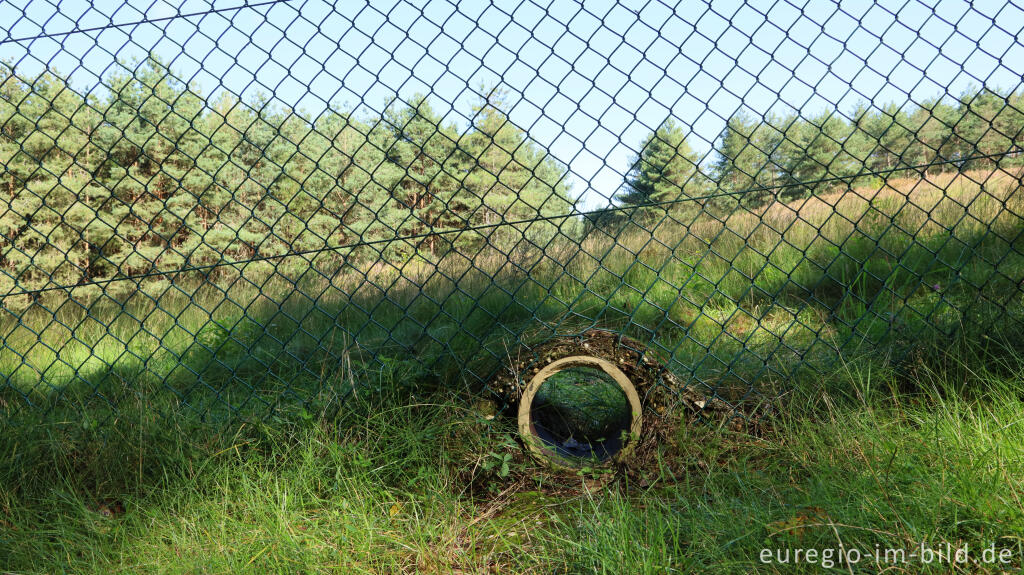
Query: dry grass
[[965, 203], [760, 285]]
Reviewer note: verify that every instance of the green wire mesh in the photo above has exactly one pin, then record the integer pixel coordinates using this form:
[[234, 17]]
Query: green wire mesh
[[234, 208]]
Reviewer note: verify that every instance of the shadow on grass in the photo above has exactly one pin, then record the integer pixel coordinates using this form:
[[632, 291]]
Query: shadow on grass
[[264, 344], [379, 487]]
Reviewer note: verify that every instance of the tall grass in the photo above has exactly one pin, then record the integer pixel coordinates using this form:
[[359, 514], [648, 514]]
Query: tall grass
[[348, 470], [865, 459], [756, 296]]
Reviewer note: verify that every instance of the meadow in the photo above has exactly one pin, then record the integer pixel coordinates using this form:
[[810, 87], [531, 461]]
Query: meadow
[[399, 484], [329, 421], [753, 294]]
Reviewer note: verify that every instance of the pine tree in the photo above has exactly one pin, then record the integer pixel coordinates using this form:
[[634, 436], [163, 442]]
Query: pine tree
[[747, 166], [425, 194], [932, 125], [814, 157], [510, 178], [986, 126], [895, 141], [665, 171]]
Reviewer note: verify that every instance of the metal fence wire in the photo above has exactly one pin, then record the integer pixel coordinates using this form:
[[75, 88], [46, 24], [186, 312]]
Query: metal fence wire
[[238, 208]]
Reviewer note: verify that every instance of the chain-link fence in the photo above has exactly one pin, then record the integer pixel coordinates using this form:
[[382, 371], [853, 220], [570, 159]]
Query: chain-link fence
[[238, 207]]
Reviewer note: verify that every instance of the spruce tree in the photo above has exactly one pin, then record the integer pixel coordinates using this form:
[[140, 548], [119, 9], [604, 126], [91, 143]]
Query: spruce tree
[[665, 170]]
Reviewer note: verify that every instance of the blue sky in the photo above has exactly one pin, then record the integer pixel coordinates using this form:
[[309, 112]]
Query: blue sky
[[587, 79]]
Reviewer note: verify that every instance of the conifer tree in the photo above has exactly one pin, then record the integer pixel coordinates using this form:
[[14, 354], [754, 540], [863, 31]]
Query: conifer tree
[[665, 170], [747, 167], [511, 178]]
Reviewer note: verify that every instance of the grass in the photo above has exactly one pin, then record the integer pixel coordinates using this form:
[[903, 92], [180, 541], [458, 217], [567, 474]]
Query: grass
[[747, 296], [323, 458], [397, 484]]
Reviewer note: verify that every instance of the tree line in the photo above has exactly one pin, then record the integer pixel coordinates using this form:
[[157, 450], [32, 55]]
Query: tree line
[[154, 177], [151, 176], [788, 156]]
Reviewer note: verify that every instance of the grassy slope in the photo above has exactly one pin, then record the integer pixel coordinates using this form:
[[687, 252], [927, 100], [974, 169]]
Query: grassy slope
[[395, 484], [391, 482]]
